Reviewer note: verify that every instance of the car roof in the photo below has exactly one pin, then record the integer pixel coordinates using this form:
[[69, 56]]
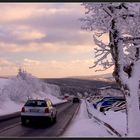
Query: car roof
[[46, 100], [38, 99]]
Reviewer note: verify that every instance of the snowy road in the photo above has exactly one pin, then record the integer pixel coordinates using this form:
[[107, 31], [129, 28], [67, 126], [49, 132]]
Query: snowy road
[[15, 129], [82, 126]]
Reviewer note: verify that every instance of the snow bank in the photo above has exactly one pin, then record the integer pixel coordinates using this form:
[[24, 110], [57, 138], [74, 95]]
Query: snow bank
[[82, 126], [3, 82], [9, 107], [116, 119], [15, 91]]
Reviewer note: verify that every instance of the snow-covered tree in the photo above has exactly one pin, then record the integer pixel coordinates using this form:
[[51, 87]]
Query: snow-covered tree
[[24, 85], [121, 23]]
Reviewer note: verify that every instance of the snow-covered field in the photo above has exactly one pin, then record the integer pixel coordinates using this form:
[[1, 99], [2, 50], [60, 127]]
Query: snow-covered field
[[83, 126], [15, 91]]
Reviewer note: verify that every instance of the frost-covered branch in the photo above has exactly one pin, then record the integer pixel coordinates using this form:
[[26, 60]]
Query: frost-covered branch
[[101, 53]]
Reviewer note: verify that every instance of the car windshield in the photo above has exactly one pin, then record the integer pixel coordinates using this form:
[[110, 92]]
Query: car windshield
[[36, 103]]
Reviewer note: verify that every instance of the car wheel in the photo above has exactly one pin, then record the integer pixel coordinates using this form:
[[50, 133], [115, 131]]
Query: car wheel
[[54, 119], [23, 121], [50, 120]]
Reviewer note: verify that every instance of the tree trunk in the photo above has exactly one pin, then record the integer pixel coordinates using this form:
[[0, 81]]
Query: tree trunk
[[113, 34], [133, 112], [130, 89]]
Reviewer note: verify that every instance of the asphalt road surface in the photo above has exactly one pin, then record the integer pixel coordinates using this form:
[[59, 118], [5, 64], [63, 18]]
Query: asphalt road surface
[[13, 127]]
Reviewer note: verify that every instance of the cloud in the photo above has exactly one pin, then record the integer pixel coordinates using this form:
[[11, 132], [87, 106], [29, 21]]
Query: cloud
[[67, 19], [51, 68], [44, 47], [7, 67], [44, 24], [5, 62], [28, 35], [36, 31], [30, 62], [58, 22], [57, 69], [20, 34], [17, 11]]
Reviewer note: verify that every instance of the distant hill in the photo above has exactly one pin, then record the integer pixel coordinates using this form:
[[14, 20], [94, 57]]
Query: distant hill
[[76, 85], [104, 77]]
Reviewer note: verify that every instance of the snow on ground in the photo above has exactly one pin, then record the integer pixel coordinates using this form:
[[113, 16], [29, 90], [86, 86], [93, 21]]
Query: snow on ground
[[15, 91], [83, 126], [54, 99], [10, 107], [116, 119], [3, 82]]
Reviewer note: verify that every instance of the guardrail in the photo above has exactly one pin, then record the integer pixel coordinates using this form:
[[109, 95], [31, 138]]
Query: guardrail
[[102, 122], [17, 114]]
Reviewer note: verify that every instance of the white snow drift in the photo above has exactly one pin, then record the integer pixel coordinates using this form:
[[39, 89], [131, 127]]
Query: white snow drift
[[15, 91]]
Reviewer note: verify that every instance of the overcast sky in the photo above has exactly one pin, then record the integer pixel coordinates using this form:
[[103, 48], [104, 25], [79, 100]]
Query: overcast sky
[[45, 39]]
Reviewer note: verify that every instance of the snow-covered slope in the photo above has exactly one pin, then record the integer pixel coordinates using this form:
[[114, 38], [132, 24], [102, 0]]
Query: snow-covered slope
[[15, 91], [3, 82]]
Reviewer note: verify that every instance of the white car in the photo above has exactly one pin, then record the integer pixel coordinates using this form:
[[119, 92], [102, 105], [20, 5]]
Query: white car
[[35, 109]]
